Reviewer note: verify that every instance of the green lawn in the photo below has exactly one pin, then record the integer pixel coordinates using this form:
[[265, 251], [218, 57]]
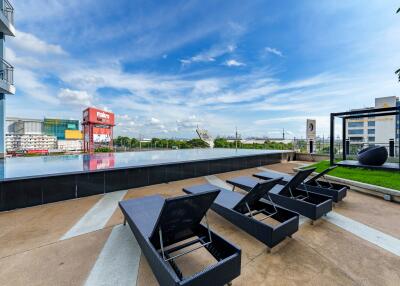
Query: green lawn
[[374, 177]]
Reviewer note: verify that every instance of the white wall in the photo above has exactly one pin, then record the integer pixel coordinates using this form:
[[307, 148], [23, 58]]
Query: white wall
[[385, 126]]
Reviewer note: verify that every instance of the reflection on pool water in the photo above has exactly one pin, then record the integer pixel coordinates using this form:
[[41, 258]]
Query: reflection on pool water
[[48, 165]]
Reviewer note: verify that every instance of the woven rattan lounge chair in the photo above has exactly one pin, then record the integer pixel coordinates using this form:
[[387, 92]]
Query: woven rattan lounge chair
[[260, 218], [290, 196], [168, 229], [317, 184]]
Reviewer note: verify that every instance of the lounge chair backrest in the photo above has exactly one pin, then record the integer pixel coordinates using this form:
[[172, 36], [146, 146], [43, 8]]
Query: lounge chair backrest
[[298, 179], [255, 194], [323, 173], [180, 216]]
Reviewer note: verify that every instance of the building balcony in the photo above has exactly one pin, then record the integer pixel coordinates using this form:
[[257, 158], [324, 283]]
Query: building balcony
[[6, 77], [7, 19]]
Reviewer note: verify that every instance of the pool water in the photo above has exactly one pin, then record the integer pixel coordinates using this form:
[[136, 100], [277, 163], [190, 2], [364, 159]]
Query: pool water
[[19, 167]]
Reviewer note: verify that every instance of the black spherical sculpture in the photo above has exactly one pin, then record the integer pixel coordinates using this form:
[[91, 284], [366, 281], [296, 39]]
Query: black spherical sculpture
[[373, 156]]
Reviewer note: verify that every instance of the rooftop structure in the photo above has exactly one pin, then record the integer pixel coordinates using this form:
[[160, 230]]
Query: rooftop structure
[[84, 242]]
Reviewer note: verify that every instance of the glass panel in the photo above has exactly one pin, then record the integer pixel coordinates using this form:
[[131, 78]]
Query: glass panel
[[356, 131], [356, 124]]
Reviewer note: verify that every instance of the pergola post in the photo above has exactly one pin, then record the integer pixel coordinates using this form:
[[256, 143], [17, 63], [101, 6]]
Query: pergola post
[[332, 140], [344, 138]]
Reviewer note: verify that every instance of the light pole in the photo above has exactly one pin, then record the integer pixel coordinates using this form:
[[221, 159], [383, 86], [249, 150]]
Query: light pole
[[236, 139]]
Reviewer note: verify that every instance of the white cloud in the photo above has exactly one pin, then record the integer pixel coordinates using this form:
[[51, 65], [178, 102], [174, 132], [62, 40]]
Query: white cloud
[[123, 116], [207, 86], [185, 62], [233, 63], [30, 43], [175, 98], [231, 48], [29, 83], [154, 120], [188, 123], [202, 58], [75, 97], [210, 55], [274, 51]]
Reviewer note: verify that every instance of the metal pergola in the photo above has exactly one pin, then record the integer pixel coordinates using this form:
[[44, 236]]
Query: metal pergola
[[361, 113]]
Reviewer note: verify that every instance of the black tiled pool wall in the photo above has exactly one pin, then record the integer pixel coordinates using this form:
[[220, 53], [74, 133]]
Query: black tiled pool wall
[[20, 193]]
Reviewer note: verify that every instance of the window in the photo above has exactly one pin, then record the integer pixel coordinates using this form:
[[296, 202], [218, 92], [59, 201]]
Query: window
[[371, 123], [356, 131], [356, 124], [356, 139], [371, 131], [371, 139]]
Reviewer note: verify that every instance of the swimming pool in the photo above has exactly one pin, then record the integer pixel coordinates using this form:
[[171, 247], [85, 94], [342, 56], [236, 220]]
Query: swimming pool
[[33, 181], [20, 167]]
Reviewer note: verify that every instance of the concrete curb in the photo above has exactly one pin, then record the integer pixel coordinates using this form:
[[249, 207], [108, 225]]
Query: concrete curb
[[377, 191]]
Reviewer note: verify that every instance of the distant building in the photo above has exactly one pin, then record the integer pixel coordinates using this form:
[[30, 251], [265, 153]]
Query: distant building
[[70, 145], [15, 125], [25, 142], [59, 127], [372, 130], [23, 134]]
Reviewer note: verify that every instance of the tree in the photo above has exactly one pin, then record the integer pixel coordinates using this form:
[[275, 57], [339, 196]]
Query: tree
[[197, 143], [134, 143], [221, 143], [398, 71]]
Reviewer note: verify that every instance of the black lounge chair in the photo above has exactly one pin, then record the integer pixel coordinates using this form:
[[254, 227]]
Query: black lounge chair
[[243, 211], [167, 229], [315, 185], [290, 196]]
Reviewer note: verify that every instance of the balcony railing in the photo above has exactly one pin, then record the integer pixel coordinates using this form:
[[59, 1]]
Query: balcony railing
[[6, 72], [8, 11]]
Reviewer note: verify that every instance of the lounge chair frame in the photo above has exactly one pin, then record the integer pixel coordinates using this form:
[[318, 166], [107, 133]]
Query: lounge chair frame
[[200, 240], [291, 196], [160, 232], [318, 184], [242, 211]]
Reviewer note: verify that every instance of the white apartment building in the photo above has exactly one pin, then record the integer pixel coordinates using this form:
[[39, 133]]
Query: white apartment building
[[371, 130], [17, 142], [70, 145]]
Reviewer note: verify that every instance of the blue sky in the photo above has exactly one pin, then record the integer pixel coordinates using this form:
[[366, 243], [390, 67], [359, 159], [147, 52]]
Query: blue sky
[[165, 67]]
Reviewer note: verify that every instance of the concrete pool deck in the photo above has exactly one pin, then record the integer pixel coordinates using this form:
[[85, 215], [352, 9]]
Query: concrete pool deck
[[83, 242]]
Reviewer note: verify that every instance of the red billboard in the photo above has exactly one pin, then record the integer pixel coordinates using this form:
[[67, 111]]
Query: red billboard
[[97, 116], [102, 135], [97, 128]]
